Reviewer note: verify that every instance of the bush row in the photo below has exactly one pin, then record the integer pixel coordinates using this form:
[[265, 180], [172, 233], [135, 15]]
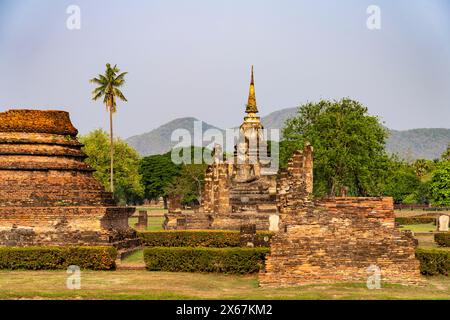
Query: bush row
[[433, 261], [442, 239], [415, 220], [48, 258], [201, 259], [248, 260], [203, 238]]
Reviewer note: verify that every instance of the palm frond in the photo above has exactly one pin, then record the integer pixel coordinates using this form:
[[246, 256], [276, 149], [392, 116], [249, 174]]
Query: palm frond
[[99, 89], [119, 94], [95, 80], [96, 96], [119, 80]]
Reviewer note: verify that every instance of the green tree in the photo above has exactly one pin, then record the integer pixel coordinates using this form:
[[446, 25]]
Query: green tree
[[158, 172], [446, 155], [349, 146], [421, 167], [423, 193], [440, 184], [162, 177], [402, 183], [189, 184], [108, 88], [127, 178]]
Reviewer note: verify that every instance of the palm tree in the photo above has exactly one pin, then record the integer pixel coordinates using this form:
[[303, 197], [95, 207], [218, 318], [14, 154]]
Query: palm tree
[[108, 88], [421, 167]]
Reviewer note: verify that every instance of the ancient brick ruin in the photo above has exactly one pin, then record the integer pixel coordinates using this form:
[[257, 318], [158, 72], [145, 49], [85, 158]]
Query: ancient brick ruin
[[48, 195], [317, 240], [243, 190], [337, 239]]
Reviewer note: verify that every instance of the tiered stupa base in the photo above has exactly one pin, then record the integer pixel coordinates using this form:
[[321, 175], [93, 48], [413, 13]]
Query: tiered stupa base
[[48, 195]]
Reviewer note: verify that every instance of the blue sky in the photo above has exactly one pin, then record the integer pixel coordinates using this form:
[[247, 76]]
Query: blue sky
[[192, 58]]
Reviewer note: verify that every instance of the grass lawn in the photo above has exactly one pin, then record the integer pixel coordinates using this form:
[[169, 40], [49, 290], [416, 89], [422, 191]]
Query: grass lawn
[[413, 213], [152, 210], [141, 284], [426, 240], [428, 227], [135, 258], [154, 223]]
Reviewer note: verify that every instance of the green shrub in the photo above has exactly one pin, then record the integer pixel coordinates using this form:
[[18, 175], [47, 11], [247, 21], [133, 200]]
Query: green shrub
[[201, 259], [200, 238], [48, 258], [415, 220], [433, 261], [442, 239]]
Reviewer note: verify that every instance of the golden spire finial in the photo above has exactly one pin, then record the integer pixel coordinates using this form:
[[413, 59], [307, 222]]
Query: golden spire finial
[[251, 104]]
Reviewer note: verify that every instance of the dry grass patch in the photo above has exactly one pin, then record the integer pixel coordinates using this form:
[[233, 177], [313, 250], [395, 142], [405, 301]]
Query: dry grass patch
[[137, 284]]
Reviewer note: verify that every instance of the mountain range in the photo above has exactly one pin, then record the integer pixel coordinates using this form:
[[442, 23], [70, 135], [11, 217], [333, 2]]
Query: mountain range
[[427, 143]]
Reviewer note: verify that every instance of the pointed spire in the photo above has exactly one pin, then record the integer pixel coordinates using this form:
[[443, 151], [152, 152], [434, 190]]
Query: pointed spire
[[251, 104]]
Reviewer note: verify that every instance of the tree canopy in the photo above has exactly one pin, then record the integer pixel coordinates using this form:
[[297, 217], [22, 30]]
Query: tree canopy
[[108, 85], [403, 182], [158, 171], [446, 155], [161, 177], [188, 185], [127, 178], [349, 146], [440, 184]]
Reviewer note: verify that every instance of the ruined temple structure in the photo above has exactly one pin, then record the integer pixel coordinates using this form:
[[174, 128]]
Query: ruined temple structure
[[317, 240], [48, 195], [349, 239], [236, 192]]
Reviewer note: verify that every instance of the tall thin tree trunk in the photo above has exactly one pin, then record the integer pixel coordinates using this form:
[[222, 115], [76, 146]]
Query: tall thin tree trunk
[[111, 147]]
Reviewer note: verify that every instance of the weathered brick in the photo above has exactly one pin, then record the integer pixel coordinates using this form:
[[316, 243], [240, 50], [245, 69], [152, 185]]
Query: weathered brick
[[48, 195]]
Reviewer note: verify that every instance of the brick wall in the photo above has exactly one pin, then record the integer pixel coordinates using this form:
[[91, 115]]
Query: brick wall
[[317, 246], [337, 239]]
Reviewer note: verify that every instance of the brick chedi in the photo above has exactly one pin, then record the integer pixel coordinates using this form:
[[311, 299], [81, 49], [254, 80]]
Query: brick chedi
[[237, 192], [336, 239], [48, 195]]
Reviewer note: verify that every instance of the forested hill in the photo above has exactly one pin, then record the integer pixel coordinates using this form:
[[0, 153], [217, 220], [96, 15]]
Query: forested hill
[[409, 144], [419, 143], [158, 141]]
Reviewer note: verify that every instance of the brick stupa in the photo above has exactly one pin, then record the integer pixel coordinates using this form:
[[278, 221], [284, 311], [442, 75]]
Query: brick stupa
[[48, 195], [237, 192]]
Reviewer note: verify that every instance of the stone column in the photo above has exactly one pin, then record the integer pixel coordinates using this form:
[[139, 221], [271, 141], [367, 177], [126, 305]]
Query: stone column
[[223, 199], [142, 220]]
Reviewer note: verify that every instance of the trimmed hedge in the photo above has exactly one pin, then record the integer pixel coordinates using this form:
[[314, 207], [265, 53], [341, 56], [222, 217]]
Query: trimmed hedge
[[415, 220], [201, 259], [200, 238], [442, 239], [51, 258], [433, 261]]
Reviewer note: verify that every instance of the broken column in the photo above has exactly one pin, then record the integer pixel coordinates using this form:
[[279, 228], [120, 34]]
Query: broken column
[[142, 220]]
